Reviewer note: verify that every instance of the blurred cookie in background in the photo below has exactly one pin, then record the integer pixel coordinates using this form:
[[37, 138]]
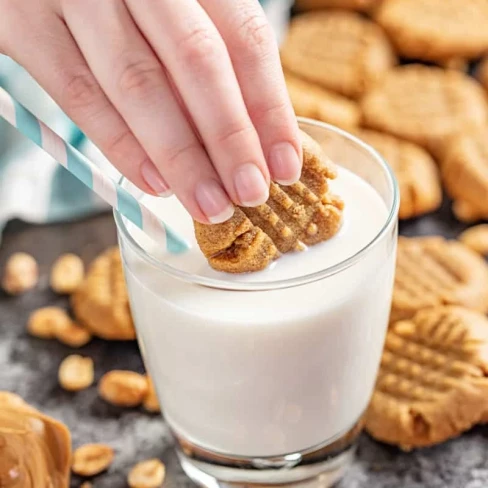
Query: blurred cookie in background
[[101, 303], [432, 30], [416, 172], [338, 50], [425, 105], [359, 5], [464, 170], [312, 101]]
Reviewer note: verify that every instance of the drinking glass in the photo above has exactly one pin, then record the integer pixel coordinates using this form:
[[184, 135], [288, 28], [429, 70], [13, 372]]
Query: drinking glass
[[266, 382]]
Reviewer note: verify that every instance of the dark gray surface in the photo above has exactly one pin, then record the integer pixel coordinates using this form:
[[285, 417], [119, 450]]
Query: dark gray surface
[[28, 366]]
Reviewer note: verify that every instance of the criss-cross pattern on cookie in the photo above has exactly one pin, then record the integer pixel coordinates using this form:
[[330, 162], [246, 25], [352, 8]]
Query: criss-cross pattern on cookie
[[432, 382], [304, 213], [432, 271], [425, 104], [341, 51]]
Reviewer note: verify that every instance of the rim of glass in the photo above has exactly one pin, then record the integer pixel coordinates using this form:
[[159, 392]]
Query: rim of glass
[[289, 282]]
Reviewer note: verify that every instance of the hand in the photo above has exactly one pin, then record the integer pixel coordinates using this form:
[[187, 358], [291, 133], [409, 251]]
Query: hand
[[181, 95]]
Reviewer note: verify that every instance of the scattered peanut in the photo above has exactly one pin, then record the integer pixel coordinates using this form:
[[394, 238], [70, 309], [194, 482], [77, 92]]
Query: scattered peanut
[[72, 334], [147, 474], [21, 273], [151, 402], [44, 322], [76, 373], [67, 274], [123, 388], [86, 484], [476, 238], [92, 459]]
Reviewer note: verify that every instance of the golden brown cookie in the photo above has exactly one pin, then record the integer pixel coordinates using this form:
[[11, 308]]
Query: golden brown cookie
[[338, 50], [432, 271], [432, 384], [436, 29], [101, 303], [425, 105], [482, 72], [303, 213], [312, 101], [359, 5], [465, 170], [416, 172]]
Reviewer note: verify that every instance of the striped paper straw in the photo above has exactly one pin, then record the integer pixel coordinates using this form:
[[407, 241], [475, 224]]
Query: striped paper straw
[[89, 174]]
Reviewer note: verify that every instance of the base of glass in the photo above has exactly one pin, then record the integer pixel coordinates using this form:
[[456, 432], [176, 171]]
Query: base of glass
[[322, 466]]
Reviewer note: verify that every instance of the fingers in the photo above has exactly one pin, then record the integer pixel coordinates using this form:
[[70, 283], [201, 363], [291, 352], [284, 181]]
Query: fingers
[[43, 45], [254, 53], [137, 85], [189, 45]]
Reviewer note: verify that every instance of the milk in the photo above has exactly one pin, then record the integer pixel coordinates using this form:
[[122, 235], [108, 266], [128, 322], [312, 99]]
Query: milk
[[273, 372]]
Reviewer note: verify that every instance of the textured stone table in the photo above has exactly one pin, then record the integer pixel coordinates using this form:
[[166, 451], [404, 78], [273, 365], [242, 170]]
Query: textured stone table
[[28, 366]]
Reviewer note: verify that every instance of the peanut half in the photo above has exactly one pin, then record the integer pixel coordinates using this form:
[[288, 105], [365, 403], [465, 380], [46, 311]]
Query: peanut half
[[71, 334], [44, 322], [76, 373], [123, 388], [147, 474], [67, 274], [21, 273], [151, 402], [92, 459]]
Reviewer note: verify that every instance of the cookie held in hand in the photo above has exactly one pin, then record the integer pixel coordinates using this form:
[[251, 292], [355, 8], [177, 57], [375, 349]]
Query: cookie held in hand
[[304, 213]]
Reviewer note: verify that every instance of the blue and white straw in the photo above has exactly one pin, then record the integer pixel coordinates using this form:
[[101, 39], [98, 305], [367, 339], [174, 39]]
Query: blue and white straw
[[88, 173]]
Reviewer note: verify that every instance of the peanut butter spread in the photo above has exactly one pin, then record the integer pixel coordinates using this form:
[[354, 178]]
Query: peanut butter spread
[[35, 450]]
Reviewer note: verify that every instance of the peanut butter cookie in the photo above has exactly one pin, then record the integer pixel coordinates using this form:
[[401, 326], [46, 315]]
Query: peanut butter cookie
[[432, 384], [416, 172], [465, 170], [339, 50], [303, 213], [312, 101], [359, 5], [101, 303], [436, 29], [425, 105], [432, 271]]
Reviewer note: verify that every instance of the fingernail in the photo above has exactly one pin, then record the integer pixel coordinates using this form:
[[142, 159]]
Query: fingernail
[[250, 185], [154, 179], [284, 164], [213, 201]]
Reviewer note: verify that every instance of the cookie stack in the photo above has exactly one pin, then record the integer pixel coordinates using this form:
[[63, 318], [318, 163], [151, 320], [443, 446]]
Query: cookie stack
[[398, 75], [395, 73]]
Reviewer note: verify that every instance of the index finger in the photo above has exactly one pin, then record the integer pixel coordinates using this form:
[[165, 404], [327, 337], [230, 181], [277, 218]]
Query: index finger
[[255, 56]]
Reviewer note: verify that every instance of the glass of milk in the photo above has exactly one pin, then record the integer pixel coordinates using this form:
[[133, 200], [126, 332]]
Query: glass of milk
[[264, 378]]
